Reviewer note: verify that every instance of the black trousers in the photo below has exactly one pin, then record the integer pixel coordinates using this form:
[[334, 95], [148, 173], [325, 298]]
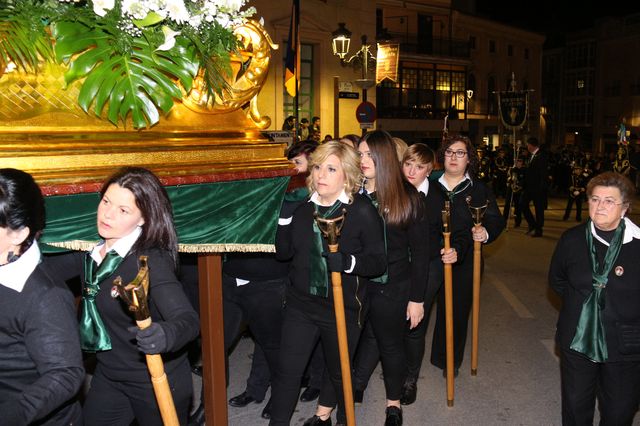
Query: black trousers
[[383, 339], [462, 300], [517, 207], [114, 403], [616, 385], [259, 304], [301, 329], [578, 200], [539, 200], [414, 339]]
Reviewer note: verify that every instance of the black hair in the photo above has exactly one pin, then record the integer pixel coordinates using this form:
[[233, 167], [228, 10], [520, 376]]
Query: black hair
[[533, 141], [21, 204], [303, 147], [151, 198]]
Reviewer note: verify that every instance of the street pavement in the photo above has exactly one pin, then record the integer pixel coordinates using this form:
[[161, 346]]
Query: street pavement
[[518, 381]]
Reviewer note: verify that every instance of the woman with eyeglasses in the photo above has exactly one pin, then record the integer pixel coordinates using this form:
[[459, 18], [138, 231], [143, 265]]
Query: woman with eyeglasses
[[459, 185], [595, 271]]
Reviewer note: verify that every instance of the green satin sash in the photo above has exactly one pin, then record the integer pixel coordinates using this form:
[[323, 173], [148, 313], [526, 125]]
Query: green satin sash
[[93, 333], [590, 338], [318, 271]]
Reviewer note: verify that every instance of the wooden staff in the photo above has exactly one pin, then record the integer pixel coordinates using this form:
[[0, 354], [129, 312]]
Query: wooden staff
[[135, 295], [448, 301], [476, 213], [331, 230]]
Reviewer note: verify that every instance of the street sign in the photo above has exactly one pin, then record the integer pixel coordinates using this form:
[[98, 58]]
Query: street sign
[[366, 125], [348, 95], [366, 112]]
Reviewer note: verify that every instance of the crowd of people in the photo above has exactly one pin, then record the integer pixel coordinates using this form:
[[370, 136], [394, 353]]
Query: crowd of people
[[389, 198]]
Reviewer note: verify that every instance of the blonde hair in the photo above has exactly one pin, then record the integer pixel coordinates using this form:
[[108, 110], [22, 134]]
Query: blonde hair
[[420, 153], [401, 147], [349, 159]]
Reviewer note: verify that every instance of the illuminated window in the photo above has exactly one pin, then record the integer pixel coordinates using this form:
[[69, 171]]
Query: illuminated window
[[580, 84], [442, 81]]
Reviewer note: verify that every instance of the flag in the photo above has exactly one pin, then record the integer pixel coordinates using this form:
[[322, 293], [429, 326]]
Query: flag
[[292, 61]]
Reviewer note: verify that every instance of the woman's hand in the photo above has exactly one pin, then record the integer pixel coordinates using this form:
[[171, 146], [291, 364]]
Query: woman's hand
[[415, 313], [451, 256], [479, 233]]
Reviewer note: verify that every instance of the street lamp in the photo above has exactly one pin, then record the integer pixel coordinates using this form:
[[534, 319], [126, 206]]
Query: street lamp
[[340, 43]]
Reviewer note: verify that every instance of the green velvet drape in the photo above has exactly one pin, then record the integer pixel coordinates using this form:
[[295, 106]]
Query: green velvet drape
[[210, 217]]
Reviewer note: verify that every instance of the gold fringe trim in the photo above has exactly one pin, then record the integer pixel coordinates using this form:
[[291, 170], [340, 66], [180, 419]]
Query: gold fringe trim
[[225, 248], [83, 245], [78, 245]]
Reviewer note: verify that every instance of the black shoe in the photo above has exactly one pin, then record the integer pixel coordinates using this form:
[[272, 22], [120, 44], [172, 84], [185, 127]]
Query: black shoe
[[409, 392], [530, 231], [358, 395], [266, 411], [537, 234], [317, 421], [394, 416], [310, 394], [197, 418], [565, 218], [242, 400], [455, 372]]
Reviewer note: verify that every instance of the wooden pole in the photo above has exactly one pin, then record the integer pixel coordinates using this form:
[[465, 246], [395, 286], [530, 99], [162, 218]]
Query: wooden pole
[[475, 316], [160, 384], [343, 345], [448, 303], [211, 330]]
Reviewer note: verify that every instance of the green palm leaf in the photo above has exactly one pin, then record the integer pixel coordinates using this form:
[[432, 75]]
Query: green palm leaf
[[135, 83], [23, 39]]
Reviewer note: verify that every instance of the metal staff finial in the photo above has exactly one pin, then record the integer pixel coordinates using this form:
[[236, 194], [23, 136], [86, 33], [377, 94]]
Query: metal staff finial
[[477, 213], [135, 293], [331, 228]]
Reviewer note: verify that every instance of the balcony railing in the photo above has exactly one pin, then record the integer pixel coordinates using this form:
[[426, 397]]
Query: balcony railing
[[444, 47]]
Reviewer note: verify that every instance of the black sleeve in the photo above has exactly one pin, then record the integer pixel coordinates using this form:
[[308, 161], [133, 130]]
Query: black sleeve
[[177, 317], [372, 260], [284, 242], [493, 220], [558, 279], [52, 340], [65, 266], [419, 248]]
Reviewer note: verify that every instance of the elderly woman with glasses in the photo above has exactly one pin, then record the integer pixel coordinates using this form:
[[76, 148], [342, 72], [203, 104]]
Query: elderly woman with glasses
[[595, 271], [460, 186]]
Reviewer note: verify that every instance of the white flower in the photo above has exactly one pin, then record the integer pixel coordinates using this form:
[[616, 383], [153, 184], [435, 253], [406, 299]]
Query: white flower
[[169, 38], [134, 8], [177, 11], [101, 7]]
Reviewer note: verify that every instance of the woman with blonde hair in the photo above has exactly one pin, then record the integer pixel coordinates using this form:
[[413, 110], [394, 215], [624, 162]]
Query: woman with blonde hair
[[309, 313]]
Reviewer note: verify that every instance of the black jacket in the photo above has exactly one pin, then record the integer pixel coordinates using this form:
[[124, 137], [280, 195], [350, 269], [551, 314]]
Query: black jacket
[[41, 366], [570, 276], [168, 305], [361, 236]]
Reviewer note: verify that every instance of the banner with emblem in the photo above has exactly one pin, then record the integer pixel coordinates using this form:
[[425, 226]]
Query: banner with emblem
[[387, 62], [514, 108]]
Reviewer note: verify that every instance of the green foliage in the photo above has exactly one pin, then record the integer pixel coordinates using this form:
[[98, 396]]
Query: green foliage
[[138, 82]]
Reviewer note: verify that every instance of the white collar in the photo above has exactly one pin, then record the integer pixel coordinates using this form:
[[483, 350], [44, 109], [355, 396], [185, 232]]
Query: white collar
[[631, 231], [444, 182], [343, 197], [424, 186], [14, 275], [122, 246]]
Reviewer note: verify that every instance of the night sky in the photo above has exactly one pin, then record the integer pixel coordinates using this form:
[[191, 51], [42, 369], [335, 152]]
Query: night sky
[[553, 18]]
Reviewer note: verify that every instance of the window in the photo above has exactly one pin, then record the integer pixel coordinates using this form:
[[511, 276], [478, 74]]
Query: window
[[492, 46], [305, 91], [526, 53], [472, 42], [510, 50], [492, 102]]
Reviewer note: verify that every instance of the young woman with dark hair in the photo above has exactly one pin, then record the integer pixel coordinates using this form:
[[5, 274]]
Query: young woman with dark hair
[[459, 186], [309, 313], [397, 297], [40, 359], [134, 218]]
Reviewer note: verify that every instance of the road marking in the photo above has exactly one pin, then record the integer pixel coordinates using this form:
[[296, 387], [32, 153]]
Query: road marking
[[511, 298]]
